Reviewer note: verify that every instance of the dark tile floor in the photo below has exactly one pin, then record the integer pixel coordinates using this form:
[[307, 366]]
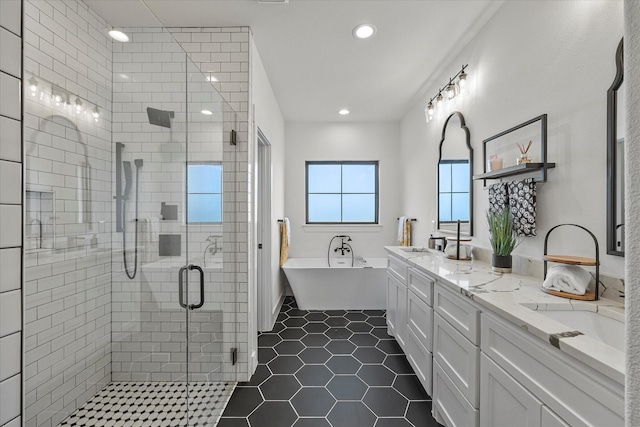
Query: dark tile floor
[[329, 368]]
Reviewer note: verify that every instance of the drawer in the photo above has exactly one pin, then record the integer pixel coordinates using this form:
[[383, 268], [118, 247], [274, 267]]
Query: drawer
[[460, 312], [575, 392], [449, 406], [458, 357], [421, 285], [420, 319], [398, 267], [421, 361]]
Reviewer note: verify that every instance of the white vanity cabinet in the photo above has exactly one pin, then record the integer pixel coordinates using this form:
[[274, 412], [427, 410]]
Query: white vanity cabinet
[[397, 300], [456, 355], [524, 380], [420, 326]]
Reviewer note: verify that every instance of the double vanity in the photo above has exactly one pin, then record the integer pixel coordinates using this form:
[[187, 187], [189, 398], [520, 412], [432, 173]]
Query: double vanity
[[494, 350]]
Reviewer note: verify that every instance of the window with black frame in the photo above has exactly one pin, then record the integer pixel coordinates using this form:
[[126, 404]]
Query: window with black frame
[[342, 192], [453, 191]]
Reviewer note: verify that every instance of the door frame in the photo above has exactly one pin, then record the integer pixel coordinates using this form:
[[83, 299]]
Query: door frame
[[264, 279]]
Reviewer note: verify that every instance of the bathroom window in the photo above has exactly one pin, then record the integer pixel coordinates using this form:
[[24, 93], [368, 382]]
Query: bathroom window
[[342, 192], [453, 190], [204, 193]]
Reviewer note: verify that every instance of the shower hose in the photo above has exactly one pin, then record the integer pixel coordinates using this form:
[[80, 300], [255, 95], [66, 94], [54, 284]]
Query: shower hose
[[124, 234]]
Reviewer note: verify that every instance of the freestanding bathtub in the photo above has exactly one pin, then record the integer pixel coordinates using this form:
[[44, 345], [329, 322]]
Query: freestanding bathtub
[[316, 286]]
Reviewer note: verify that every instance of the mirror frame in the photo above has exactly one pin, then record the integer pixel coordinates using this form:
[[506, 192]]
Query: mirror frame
[[612, 111], [464, 127]]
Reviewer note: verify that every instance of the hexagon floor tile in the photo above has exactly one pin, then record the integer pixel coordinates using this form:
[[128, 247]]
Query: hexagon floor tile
[[329, 368]]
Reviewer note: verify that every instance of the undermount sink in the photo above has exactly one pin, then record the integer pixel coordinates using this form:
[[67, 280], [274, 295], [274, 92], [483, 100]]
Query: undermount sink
[[413, 249], [594, 325]]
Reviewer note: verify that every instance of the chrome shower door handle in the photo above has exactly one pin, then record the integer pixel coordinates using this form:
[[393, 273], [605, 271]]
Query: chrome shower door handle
[[195, 267], [181, 287]]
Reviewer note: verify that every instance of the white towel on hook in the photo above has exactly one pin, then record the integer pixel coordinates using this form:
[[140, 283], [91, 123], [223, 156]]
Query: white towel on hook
[[568, 278]]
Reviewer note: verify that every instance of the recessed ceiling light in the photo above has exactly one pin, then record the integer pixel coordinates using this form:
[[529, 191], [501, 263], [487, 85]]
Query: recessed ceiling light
[[118, 36], [343, 112], [206, 112], [364, 31]]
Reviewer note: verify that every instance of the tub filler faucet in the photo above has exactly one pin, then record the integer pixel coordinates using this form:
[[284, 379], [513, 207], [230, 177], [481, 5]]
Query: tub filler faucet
[[344, 247]]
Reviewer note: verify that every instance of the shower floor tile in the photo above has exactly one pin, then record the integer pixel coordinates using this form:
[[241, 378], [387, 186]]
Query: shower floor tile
[[329, 369], [153, 404]]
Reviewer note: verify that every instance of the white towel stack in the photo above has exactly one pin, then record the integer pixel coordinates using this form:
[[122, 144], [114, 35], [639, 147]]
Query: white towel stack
[[567, 278]]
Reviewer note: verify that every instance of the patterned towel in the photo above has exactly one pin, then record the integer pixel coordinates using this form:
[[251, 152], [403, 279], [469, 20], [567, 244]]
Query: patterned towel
[[498, 197], [522, 203]]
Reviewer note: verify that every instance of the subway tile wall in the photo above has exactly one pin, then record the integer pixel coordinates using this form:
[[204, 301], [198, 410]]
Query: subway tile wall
[[10, 213], [67, 254]]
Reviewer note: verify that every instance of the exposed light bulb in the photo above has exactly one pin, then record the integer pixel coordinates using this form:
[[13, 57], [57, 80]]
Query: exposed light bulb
[[57, 99], [96, 114], [431, 109], [78, 106], [33, 86], [451, 90], [463, 83], [440, 100]]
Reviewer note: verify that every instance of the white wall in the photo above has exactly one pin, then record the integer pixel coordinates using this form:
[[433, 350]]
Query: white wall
[[632, 65], [268, 118], [343, 141], [531, 58]]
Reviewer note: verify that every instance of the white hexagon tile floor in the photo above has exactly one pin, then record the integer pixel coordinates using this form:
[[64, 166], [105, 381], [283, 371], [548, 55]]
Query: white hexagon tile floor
[[329, 369]]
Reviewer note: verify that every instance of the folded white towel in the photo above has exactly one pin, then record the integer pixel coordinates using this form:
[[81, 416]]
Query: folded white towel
[[287, 224], [401, 221], [567, 278]]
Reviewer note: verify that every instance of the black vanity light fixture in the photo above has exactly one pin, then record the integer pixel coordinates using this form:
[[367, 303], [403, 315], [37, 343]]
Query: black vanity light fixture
[[447, 93]]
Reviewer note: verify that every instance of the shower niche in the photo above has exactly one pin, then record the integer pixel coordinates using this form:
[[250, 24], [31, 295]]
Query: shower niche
[[40, 220]]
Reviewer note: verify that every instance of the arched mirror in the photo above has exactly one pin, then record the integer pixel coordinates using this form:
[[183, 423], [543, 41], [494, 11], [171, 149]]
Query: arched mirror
[[455, 177], [615, 159]]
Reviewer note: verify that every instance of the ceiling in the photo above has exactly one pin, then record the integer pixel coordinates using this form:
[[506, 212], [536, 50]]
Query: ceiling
[[315, 65]]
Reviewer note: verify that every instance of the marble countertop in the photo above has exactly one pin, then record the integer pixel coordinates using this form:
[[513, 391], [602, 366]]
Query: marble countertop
[[517, 298]]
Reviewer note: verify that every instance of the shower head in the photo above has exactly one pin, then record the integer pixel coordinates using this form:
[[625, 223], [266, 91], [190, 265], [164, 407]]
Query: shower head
[[160, 117], [138, 163]]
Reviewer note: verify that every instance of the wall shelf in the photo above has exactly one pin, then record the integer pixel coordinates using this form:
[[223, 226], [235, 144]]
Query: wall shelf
[[514, 170], [541, 167]]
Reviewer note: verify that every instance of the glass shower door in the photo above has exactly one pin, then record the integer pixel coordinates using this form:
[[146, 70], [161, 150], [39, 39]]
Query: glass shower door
[[208, 291]]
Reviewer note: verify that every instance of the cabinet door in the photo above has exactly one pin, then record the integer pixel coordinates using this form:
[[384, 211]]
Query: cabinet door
[[551, 419], [392, 303], [503, 401], [401, 316]]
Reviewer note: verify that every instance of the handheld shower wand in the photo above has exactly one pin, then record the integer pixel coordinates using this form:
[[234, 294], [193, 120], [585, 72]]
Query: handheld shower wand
[[125, 197]]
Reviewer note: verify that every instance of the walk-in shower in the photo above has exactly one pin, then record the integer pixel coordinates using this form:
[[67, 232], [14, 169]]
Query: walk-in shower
[[118, 302]]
